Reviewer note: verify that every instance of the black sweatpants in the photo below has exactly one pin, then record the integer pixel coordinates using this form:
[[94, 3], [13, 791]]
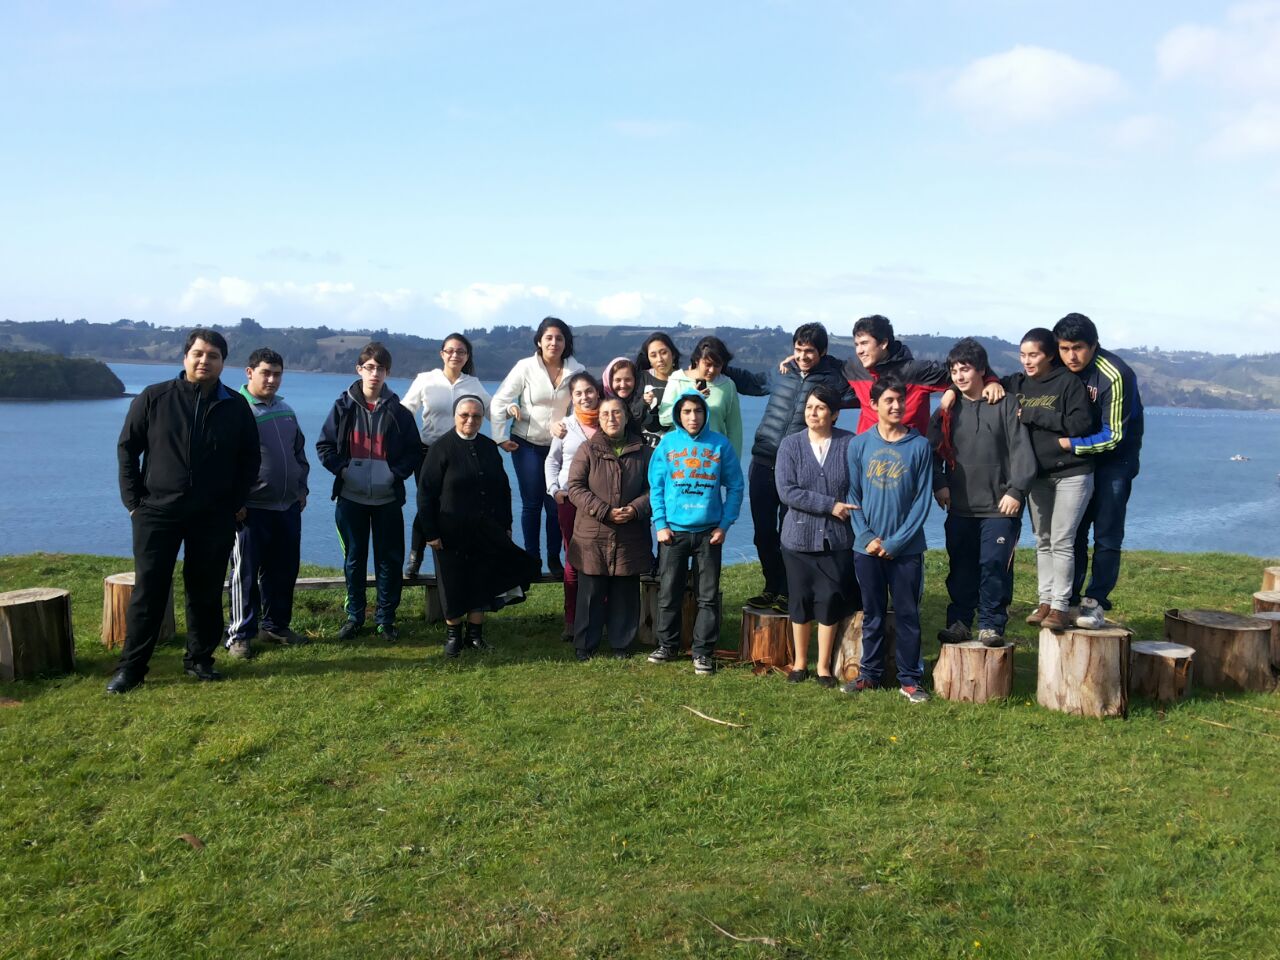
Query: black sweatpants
[[606, 601], [206, 538]]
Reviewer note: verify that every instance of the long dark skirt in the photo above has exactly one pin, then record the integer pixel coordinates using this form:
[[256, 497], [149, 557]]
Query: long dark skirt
[[474, 571], [823, 586]]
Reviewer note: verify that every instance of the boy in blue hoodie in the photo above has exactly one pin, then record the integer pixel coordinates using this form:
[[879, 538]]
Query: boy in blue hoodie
[[690, 468], [890, 479]]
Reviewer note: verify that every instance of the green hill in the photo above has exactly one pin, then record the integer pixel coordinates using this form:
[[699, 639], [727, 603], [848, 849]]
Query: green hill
[[47, 376]]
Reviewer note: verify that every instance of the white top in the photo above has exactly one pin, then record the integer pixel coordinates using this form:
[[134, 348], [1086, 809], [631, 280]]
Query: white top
[[556, 467], [431, 397], [528, 386], [820, 448]]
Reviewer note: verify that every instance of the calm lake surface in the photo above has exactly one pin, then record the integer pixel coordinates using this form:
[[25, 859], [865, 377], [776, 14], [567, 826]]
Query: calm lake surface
[[60, 493]]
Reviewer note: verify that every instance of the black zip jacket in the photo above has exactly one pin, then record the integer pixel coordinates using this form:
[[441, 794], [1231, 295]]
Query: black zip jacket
[[198, 452], [993, 456], [400, 434], [1055, 406], [784, 414]]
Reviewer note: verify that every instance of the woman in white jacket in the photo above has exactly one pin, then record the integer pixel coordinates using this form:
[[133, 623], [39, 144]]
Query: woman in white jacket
[[430, 399], [534, 395], [579, 426]]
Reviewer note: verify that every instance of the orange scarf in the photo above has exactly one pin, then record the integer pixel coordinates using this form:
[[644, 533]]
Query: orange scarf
[[589, 419]]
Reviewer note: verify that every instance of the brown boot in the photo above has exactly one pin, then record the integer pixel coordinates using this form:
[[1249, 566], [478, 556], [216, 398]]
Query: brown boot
[[1055, 620], [1036, 617]]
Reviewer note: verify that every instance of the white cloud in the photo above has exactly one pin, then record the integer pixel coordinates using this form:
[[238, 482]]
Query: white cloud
[[1030, 84], [1242, 54], [271, 299], [1140, 130], [697, 309], [620, 307], [1254, 132], [480, 303]]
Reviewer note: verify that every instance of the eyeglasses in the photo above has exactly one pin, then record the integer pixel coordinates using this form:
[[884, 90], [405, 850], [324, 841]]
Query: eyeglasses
[[373, 368], [470, 416]]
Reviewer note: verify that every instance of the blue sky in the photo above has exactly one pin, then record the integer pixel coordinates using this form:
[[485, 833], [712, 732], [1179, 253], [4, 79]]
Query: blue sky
[[975, 166]]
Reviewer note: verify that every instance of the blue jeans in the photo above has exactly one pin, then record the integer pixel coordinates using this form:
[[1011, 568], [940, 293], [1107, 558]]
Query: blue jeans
[[528, 460], [386, 521], [901, 578], [980, 577], [1112, 484]]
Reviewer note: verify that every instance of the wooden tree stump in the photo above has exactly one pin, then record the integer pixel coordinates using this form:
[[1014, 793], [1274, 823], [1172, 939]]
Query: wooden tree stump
[[1085, 672], [35, 633], [1271, 578], [847, 655], [766, 638], [117, 591], [1266, 601], [1160, 671], [1232, 652], [647, 632], [973, 672], [1272, 619]]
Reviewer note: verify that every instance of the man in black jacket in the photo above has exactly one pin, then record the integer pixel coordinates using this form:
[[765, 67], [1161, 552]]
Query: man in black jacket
[[807, 368], [199, 449]]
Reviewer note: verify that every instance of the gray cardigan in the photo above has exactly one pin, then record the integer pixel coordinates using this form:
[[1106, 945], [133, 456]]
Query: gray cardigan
[[810, 490]]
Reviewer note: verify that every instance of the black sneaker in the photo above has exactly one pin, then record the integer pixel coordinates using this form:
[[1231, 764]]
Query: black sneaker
[[858, 685], [764, 601], [581, 656], [285, 636], [704, 666], [663, 655], [956, 633], [349, 629], [781, 604], [388, 632], [203, 672]]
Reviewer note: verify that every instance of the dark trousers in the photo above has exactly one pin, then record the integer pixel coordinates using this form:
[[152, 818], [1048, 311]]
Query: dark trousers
[[417, 536], [767, 512], [1112, 484], [565, 513], [264, 568], [981, 573], [901, 578], [206, 541], [611, 601], [673, 574], [527, 460], [355, 522]]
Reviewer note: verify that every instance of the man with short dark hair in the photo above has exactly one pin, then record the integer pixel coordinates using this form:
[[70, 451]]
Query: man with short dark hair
[[264, 562], [808, 367], [370, 443], [1115, 450], [199, 450]]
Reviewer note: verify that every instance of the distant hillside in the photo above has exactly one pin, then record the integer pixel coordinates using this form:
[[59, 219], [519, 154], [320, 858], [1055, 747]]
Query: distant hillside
[[1176, 379], [47, 376]]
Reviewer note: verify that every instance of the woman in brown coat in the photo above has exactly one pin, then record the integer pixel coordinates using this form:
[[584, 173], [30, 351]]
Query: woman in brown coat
[[609, 486]]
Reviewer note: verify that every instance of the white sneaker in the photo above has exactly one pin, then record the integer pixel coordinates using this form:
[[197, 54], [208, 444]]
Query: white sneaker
[[1092, 616]]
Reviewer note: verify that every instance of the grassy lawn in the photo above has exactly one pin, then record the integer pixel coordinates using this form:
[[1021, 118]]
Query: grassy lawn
[[369, 800]]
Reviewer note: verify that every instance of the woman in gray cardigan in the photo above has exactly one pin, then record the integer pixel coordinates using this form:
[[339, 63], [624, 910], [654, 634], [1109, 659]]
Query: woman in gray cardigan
[[812, 476]]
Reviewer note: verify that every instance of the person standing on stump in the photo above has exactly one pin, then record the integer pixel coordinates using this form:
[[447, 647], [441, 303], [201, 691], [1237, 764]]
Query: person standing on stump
[[370, 444], [199, 458], [890, 473], [695, 493], [983, 468], [1114, 450], [264, 562]]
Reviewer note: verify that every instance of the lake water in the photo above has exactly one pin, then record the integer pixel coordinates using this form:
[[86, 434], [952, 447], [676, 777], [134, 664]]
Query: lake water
[[60, 493]]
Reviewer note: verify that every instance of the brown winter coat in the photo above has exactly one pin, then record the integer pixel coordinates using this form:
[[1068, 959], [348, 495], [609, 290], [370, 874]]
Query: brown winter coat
[[599, 481]]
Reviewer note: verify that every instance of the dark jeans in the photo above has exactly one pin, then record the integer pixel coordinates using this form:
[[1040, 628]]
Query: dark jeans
[[611, 601], [981, 573], [565, 513], [386, 521], [767, 512], [417, 536], [206, 538], [264, 568], [673, 574], [528, 459], [1112, 484], [901, 578]]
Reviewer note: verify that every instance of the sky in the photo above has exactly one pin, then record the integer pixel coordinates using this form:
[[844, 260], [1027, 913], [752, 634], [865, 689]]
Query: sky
[[961, 166]]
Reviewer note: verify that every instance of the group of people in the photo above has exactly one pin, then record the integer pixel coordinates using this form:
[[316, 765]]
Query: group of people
[[650, 451]]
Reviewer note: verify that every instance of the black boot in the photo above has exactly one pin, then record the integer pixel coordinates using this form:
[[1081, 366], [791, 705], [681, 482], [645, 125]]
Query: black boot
[[452, 639], [475, 636], [414, 565]]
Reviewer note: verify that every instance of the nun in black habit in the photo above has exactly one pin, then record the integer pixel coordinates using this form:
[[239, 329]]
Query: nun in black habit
[[464, 505]]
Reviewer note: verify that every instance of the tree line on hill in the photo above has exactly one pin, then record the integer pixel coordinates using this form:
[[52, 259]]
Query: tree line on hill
[[1168, 378]]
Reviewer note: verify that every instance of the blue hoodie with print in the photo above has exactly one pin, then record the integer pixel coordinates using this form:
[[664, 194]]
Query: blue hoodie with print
[[687, 474]]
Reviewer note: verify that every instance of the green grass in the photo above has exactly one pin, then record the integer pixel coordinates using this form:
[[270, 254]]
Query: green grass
[[371, 800]]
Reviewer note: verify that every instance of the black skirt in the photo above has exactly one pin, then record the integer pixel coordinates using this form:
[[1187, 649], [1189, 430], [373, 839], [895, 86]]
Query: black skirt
[[821, 586]]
